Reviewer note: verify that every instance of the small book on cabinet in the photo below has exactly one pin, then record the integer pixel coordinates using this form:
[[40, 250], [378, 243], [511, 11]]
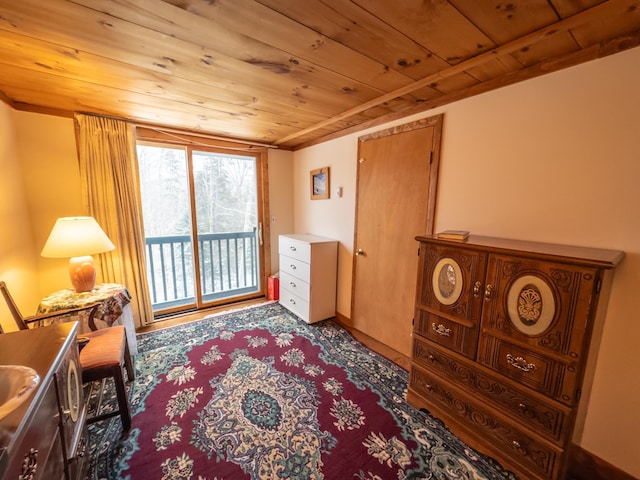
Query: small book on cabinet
[[459, 235]]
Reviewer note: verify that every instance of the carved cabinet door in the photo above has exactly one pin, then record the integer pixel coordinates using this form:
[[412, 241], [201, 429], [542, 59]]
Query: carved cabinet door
[[450, 297], [534, 322]]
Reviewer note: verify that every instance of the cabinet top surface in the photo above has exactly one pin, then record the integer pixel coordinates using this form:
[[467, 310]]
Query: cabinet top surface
[[601, 257], [306, 237], [36, 348]]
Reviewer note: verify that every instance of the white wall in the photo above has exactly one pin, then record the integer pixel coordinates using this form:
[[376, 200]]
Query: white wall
[[333, 217], [553, 159], [17, 253], [48, 158]]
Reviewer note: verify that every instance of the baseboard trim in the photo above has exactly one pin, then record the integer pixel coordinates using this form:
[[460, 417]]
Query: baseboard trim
[[343, 320], [584, 465]]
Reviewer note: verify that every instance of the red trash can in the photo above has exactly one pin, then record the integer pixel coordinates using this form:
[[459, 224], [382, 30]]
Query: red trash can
[[273, 287]]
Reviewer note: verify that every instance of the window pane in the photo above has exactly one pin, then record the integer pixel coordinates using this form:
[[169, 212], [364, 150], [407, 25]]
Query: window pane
[[227, 218], [167, 224]]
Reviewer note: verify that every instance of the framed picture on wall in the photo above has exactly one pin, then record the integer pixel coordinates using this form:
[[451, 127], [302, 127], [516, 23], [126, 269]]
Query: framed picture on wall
[[320, 183]]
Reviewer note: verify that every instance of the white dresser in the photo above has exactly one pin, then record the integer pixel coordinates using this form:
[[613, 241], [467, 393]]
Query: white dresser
[[308, 272]]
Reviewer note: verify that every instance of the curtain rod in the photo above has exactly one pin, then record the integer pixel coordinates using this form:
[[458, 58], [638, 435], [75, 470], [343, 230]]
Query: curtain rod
[[176, 131], [183, 135]]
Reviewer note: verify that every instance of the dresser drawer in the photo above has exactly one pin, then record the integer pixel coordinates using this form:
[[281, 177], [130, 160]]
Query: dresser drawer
[[512, 442], [41, 444], [545, 375], [293, 248], [54, 469], [461, 338], [545, 417], [296, 286], [295, 268], [295, 304]]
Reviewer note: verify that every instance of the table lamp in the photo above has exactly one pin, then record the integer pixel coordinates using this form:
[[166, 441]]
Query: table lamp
[[78, 238]]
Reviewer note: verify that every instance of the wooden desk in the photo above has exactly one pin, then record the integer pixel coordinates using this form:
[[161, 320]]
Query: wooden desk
[[114, 309]]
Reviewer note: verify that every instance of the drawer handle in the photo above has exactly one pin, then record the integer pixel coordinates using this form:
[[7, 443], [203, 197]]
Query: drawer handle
[[292, 301], [29, 465], [516, 444], [293, 267], [293, 284], [521, 364], [83, 447], [292, 248], [441, 330]]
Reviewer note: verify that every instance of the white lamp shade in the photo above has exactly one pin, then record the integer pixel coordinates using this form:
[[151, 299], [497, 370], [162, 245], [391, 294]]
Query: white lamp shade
[[74, 237]]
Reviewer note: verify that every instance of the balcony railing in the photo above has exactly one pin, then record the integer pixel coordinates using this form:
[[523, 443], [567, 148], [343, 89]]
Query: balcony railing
[[228, 267]]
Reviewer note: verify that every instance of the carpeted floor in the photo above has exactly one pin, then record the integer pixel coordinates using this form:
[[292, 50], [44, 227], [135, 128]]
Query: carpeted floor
[[257, 393]]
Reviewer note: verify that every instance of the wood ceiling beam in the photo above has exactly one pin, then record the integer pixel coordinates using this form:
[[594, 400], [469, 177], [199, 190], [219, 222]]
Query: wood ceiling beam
[[599, 11], [610, 47]]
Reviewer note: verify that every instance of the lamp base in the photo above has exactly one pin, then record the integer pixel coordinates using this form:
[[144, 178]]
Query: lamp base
[[82, 271]]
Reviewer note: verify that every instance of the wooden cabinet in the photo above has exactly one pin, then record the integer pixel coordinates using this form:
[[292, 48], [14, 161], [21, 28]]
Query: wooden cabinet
[[308, 272], [45, 437], [38, 453], [505, 339]]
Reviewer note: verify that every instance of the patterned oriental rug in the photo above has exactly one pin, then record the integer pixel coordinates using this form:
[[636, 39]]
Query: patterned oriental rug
[[259, 394]]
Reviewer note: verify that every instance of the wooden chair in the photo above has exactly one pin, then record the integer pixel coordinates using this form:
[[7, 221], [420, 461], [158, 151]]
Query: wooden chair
[[105, 354]]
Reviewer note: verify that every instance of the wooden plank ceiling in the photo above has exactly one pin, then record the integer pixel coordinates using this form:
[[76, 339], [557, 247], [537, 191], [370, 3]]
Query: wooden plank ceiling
[[289, 73]]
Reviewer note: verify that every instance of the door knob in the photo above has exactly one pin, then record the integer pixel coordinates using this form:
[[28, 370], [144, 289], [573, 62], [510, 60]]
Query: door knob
[[359, 252]]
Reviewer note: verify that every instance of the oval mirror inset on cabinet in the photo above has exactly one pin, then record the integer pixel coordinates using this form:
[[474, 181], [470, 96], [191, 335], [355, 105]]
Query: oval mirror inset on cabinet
[[447, 281], [73, 390]]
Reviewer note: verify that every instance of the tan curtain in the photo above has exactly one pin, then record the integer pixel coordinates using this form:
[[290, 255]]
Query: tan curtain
[[111, 191]]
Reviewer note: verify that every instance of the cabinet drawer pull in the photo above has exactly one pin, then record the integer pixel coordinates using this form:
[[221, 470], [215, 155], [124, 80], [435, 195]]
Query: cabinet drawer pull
[[29, 465], [292, 248], [83, 447], [516, 444], [521, 364], [487, 292], [292, 266], [291, 300], [293, 284], [441, 330], [476, 289]]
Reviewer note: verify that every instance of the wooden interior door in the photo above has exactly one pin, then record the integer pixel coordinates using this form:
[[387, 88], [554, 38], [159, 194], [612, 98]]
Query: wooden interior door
[[396, 182]]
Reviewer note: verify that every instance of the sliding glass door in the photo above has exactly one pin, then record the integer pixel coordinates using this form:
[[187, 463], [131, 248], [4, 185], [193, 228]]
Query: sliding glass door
[[202, 226]]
